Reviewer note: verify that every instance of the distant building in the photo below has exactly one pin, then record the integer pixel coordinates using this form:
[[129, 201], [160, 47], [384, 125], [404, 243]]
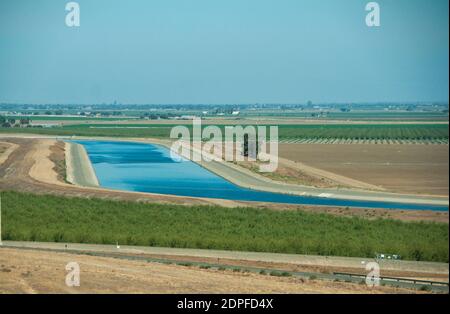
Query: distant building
[[44, 125], [188, 117]]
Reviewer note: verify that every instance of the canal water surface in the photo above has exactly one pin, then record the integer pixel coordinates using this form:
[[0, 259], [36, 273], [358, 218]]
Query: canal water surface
[[149, 168]]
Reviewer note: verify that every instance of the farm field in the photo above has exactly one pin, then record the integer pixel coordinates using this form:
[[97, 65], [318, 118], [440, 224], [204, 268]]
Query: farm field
[[28, 217], [428, 133], [421, 169]]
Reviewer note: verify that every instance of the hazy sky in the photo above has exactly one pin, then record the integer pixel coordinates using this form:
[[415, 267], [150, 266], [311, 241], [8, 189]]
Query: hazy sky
[[223, 51]]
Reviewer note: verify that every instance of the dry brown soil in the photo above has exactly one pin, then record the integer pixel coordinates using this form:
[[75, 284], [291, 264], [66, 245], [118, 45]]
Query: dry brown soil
[[418, 169]]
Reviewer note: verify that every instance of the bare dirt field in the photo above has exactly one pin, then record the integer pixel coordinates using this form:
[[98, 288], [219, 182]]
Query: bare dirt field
[[416, 169], [44, 272]]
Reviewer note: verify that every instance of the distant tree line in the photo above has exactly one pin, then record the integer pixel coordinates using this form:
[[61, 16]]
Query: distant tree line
[[11, 122], [154, 116]]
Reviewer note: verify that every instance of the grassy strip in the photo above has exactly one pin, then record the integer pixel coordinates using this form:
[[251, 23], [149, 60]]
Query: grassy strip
[[355, 132], [28, 217]]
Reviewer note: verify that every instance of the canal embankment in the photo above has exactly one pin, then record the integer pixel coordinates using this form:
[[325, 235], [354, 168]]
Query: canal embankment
[[79, 167]]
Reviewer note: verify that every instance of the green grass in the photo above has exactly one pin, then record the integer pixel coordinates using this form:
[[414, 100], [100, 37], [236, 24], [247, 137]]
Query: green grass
[[280, 274], [425, 288], [346, 131], [28, 217], [185, 264]]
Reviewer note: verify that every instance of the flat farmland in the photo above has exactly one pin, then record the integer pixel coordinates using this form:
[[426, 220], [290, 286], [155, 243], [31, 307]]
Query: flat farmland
[[421, 169], [321, 133]]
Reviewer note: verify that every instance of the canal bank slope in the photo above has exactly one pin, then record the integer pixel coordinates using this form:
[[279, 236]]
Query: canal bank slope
[[79, 166]]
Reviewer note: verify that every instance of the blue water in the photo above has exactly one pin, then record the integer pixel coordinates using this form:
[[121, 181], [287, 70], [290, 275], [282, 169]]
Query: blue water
[[149, 168]]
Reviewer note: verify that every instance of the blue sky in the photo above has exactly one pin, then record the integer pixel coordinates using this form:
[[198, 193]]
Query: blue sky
[[223, 51]]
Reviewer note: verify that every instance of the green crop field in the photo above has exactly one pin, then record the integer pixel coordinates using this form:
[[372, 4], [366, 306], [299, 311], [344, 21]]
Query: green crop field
[[424, 132], [372, 132], [28, 217]]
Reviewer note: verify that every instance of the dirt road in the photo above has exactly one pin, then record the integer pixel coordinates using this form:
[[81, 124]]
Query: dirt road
[[291, 262]]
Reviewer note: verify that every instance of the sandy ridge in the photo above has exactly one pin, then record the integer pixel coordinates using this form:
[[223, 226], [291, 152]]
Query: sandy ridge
[[42, 169]]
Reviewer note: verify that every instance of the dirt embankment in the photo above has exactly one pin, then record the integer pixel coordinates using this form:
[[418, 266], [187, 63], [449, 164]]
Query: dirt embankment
[[44, 156], [6, 149], [44, 272]]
